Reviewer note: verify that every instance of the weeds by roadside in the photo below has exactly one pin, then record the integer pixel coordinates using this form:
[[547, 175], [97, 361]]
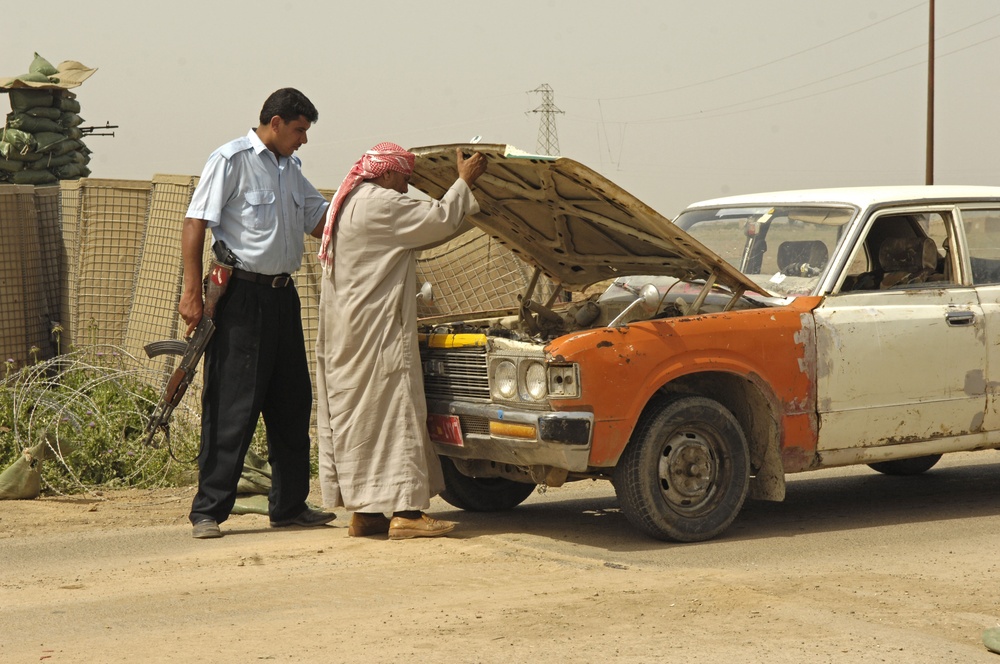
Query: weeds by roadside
[[91, 406]]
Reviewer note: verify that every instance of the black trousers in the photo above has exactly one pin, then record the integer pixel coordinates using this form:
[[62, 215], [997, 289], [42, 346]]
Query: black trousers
[[255, 365]]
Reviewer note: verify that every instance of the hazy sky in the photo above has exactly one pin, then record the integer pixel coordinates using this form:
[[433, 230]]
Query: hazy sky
[[674, 100]]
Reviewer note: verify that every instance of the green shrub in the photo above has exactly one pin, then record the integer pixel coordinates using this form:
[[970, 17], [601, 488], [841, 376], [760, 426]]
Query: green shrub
[[92, 406]]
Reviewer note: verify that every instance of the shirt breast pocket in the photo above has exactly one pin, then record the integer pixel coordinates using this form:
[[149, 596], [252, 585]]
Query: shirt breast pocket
[[260, 210]]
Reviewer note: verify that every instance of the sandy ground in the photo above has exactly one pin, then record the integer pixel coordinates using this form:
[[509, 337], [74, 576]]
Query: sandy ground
[[852, 567]]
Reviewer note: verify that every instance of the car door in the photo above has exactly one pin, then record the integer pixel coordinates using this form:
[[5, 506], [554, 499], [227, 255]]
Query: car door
[[900, 362], [981, 226]]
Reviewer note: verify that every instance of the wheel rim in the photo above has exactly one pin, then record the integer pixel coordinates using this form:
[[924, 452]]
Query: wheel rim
[[689, 470]]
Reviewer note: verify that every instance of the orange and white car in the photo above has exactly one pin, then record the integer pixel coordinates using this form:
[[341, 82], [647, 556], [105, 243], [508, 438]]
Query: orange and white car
[[751, 337]]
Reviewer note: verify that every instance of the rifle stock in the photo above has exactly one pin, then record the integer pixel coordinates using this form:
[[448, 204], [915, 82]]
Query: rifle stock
[[216, 283]]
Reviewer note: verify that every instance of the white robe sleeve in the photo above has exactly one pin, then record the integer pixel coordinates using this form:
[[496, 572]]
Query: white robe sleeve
[[420, 223]]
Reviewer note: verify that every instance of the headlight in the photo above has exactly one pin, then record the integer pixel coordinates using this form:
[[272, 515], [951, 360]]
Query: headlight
[[505, 380], [536, 381]]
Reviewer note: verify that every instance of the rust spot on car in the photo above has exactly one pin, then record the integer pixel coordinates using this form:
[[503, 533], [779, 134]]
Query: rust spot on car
[[604, 344], [797, 459]]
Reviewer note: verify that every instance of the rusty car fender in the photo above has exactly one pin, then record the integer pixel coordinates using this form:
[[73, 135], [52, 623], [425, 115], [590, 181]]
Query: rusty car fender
[[623, 368]]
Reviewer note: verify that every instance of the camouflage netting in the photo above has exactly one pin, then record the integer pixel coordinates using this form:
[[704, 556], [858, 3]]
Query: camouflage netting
[[42, 141]]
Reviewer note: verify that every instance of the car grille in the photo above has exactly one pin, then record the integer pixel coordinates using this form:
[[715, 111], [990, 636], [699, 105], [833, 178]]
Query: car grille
[[474, 424], [455, 373]]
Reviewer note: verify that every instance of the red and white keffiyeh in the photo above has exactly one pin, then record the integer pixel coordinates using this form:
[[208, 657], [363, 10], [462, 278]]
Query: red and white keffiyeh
[[381, 158]]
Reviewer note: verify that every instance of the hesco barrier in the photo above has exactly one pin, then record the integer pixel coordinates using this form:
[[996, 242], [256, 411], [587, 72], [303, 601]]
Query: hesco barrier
[[110, 220], [102, 260], [28, 275]]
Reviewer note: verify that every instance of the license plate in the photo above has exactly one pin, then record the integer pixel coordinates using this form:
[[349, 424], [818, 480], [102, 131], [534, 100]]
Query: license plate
[[445, 429]]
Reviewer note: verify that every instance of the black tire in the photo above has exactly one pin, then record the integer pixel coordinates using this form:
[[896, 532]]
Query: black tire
[[481, 494], [685, 473], [913, 466]]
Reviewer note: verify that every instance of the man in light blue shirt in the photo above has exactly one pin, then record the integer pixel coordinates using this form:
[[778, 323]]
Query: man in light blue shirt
[[254, 198]]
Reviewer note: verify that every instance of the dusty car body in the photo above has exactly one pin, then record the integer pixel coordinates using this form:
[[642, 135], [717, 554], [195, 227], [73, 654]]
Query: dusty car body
[[749, 338]]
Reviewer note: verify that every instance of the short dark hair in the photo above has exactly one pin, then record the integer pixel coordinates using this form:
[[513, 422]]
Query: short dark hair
[[288, 104]]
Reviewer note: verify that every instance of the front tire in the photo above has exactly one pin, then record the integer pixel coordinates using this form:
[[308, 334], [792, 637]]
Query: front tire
[[685, 474], [481, 494]]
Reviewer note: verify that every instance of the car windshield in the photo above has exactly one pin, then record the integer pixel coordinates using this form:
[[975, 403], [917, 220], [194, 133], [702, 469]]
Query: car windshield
[[785, 249]]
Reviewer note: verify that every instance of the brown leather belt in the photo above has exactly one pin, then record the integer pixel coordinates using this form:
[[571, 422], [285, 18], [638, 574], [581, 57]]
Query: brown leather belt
[[272, 280]]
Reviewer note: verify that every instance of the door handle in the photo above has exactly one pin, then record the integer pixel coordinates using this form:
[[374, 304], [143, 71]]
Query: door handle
[[960, 318]]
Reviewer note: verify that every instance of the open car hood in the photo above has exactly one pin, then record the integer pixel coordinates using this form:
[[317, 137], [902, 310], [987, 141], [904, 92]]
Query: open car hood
[[571, 222]]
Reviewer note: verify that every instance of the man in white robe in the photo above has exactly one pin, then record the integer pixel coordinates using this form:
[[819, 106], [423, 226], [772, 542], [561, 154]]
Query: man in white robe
[[375, 456]]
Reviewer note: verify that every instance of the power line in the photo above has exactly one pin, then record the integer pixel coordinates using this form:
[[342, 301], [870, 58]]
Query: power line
[[700, 114], [765, 64], [714, 111]]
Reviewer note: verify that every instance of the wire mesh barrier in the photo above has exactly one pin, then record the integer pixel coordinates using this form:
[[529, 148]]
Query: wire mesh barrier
[[112, 221], [50, 240], [69, 197], [96, 263], [159, 275], [473, 272], [25, 314]]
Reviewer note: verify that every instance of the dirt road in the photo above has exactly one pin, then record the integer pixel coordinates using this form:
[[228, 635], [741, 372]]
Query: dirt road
[[852, 567]]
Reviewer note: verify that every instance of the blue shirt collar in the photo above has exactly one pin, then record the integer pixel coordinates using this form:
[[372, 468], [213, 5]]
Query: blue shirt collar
[[259, 147]]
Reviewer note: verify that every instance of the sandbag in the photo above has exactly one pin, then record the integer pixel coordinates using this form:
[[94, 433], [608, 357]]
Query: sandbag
[[42, 66], [31, 124], [23, 478], [250, 503], [991, 639], [21, 99], [67, 104], [65, 147], [10, 166], [33, 77], [46, 141], [70, 120], [33, 177], [44, 112], [50, 160], [255, 476], [8, 151], [69, 171], [19, 141]]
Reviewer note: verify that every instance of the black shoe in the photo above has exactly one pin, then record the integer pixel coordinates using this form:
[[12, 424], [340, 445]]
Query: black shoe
[[308, 518], [206, 529]]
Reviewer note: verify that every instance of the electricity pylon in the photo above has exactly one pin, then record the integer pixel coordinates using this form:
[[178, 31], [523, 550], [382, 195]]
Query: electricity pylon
[[548, 138]]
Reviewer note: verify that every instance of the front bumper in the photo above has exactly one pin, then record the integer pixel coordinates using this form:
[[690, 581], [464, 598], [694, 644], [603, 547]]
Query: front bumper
[[560, 439]]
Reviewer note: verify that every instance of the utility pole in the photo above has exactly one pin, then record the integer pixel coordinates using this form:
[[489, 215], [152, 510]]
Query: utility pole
[[548, 139], [929, 178]]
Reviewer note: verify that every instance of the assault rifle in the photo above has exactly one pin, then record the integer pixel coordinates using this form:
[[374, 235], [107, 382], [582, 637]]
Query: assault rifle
[[192, 348]]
